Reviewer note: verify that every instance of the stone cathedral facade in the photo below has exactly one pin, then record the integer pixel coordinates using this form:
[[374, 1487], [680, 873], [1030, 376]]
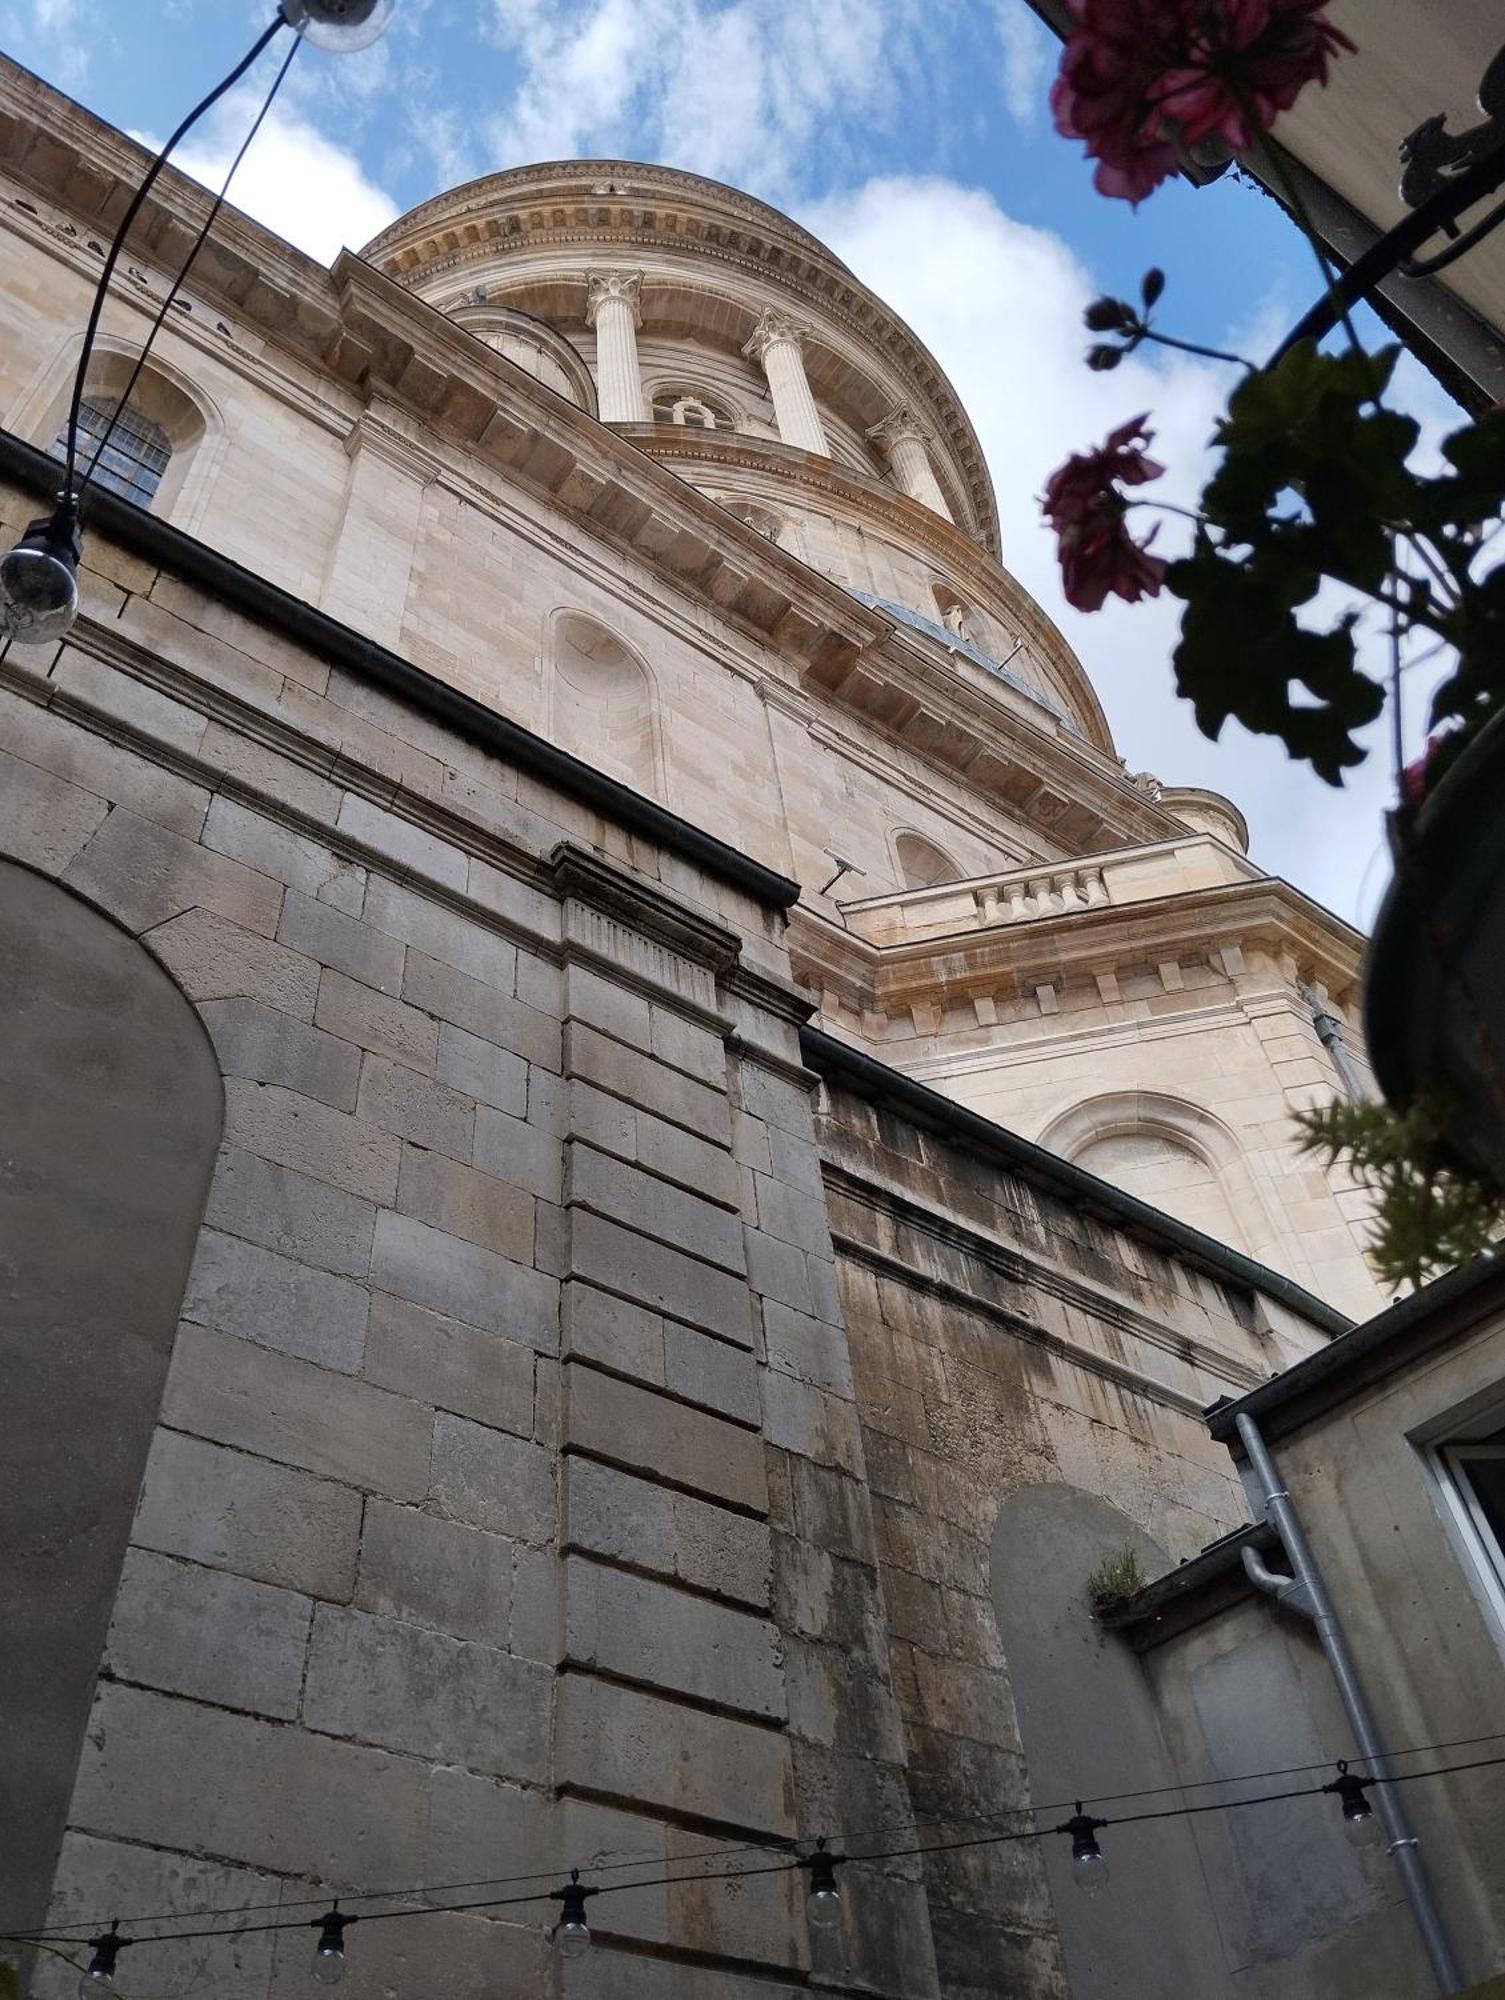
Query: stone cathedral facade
[[630, 1151]]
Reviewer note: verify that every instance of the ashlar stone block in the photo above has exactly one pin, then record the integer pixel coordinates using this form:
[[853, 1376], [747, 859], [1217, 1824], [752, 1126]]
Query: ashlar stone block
[[638, 1429], [429, 1267], [236, 1512], [384, 1682], [433, 1572], [628, 1625], [652, 1207], [662, 1278], [612, 1513], [491, 1480], [205, 1633], [295, 1131], [456, 1367], [265, 1046], [290, 1213], [240, 1288], [334, 939]]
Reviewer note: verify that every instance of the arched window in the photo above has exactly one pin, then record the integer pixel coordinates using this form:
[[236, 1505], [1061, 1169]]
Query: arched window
[[603, 709], [123, 451], [1170, 1153], [693, 408], [922, 864]]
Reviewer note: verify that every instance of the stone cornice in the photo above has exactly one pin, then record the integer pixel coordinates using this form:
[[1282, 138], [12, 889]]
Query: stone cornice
[[580, 875]]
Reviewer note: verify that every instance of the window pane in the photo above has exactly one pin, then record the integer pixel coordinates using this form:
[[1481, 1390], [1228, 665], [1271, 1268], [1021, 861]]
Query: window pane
[[134, 460]]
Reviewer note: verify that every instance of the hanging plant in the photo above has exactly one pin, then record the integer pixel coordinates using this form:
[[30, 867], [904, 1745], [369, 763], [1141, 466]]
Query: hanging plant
[[1315, 485]]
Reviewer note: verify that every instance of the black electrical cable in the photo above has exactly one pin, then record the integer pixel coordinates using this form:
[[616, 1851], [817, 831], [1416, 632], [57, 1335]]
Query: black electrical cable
[[779, 1868], [182, 277], [846, 1839], [137, 201]]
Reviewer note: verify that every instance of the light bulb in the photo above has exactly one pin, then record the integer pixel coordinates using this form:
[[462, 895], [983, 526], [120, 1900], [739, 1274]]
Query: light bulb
[[823, 1908], [1362, 1829], [342, 26], [329, 1953], [100, 1976], [572, 1940], [1089, 1866], [39, 580]]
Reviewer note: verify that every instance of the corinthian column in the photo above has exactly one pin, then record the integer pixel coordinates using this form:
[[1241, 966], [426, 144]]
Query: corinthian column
[[905, 443], [776, 344], [613, 308]]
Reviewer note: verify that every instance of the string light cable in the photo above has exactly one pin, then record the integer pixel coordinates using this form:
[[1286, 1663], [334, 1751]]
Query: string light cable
[[39, 577], [615, 1863], [571, 1932]]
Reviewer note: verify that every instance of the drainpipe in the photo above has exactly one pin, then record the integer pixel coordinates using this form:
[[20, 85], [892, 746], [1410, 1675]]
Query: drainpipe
[[1330, 1034], [1305, 1592]]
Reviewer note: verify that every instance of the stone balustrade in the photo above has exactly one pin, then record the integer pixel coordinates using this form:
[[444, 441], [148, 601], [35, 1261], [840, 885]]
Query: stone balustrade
[[1048, 889]]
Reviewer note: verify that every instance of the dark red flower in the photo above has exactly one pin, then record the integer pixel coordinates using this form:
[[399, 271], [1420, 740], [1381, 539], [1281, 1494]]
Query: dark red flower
[[1415, 779], [1084, 503], [1139, 77]]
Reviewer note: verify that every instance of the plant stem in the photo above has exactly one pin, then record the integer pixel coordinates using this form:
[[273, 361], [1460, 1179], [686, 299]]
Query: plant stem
[[1194, 347]]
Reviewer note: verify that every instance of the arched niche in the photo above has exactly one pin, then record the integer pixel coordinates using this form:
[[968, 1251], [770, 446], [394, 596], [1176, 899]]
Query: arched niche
[[922, 864], [111, 1106], [1170, 1153], [168, 400], [602, 705]]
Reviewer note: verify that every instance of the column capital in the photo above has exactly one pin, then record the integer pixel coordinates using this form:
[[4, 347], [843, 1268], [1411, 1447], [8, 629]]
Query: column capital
[[772, 328], [624, 285], [900, 426]]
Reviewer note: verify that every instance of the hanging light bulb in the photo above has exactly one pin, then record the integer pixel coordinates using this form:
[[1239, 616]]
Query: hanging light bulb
[[1089, 1865], [1360, 1826], [823, 1904], [39, 578], [572, 1935], [340, 25], [329, 1952], [100, 1976]]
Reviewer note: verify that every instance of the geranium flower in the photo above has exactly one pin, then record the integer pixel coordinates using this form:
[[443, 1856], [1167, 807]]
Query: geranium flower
[[1140, 77], [1084, 503]]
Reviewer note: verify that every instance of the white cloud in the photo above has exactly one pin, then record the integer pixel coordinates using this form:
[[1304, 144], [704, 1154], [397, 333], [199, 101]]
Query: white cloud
[[1028, 49], [1000, 306], [297, 182], [741, 92]]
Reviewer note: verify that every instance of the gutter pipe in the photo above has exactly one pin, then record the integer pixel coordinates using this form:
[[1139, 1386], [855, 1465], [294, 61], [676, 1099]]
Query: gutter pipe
[[1305, 1592]]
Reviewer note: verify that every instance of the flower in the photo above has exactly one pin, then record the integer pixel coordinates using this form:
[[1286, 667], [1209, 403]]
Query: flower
[[1084, 503], [1416, 778], [1140, 78]]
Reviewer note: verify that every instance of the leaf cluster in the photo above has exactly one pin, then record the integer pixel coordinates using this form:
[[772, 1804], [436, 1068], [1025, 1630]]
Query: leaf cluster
[[1315, 485], [1430, 1216], [1116, 1578]]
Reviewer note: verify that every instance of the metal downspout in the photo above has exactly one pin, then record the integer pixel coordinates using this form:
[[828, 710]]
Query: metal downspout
[[1306, 1592]]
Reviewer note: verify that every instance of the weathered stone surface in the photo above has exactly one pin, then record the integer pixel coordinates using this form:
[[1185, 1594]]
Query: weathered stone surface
[[638, 1746], [376, 1021], [449, 1953], [601, 1003], [434, 1572], [652, 1207], [295, 1131], [665, 1279], [44, 820], [416, 1107], [605, 1974], [810, 1349], [429, 1267], [630, 1626], [401, 841], [703, 1370], [226, 1389], [276, 851], [263, 1794], [526, 1154], [441, 933], [776, 1101], [143, 874], [384, 1682], [482, 1070], [324, 933], [472, 1205], [205, 1633], [290, 1213], [214, 959], [264, 1046], [492, 1480], [246, 1514], [456, 1367], [484, 1009], [793, 1214], [640, 1080], [649, 1433], [240, 1288], [52, 742], [686, 1045], [812, 1424]]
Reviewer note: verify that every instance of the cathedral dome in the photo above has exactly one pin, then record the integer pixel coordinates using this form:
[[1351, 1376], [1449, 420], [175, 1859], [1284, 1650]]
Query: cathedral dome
[[731, 345]]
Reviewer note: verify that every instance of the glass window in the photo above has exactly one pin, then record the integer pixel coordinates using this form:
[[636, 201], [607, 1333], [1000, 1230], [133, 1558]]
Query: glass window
[[134, 460]]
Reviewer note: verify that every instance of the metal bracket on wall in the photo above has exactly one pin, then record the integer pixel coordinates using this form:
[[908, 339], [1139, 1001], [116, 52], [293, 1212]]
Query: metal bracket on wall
[[1434, 160]]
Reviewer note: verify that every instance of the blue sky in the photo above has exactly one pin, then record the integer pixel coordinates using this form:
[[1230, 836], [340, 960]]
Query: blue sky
[[912, 135]]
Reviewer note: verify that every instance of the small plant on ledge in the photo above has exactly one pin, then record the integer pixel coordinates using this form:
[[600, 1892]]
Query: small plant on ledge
[[1316, 499], [1116, 1579]]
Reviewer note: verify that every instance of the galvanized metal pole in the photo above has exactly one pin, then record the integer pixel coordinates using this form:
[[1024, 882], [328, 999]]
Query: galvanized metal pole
[[1310, 1596]]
